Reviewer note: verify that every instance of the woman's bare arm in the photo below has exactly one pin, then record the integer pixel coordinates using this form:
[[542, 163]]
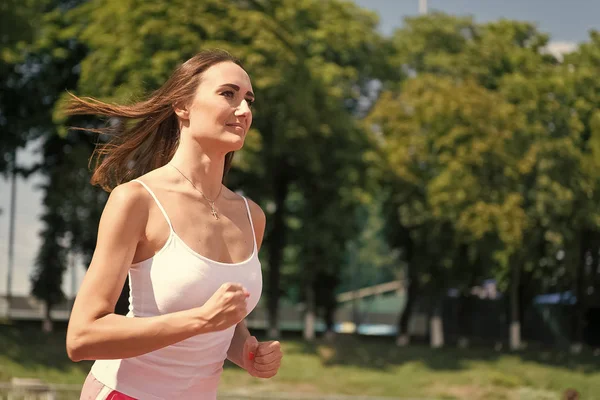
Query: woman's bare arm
[[95, 331]]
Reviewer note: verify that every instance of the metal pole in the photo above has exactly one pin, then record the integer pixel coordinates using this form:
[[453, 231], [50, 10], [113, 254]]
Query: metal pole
[[73, 262], [422, 6], [11, 230]]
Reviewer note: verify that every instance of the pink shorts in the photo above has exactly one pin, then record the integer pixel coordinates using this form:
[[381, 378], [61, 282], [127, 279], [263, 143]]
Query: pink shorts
[[93, 389]]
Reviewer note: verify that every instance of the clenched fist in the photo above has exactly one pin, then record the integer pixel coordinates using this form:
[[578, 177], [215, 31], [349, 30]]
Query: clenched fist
[[262, 359], [225, 308]]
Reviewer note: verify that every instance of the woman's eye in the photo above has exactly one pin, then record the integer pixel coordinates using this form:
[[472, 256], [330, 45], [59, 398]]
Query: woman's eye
[[230, 95]]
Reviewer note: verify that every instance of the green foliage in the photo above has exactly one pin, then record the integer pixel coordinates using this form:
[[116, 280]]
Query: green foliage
[[490, 148], [18, 20], [368, 257], [480, 152], [309, 75]]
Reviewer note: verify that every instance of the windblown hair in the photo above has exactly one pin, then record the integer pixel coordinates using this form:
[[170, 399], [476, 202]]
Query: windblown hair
[[144, 136]]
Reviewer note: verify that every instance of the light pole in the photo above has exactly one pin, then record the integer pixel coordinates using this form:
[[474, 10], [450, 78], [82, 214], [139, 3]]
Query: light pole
[[73, 266], [11, 230], [423, 7]]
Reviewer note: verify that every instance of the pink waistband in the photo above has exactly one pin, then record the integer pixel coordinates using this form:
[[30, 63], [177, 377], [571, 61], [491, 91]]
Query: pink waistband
[[114, 395]]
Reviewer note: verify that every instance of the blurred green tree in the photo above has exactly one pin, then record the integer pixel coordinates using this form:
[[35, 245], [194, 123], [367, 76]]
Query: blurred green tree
[[458, 173], [310, 75]]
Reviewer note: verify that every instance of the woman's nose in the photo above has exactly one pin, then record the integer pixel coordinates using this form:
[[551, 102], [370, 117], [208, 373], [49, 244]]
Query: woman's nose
[[243, 108]]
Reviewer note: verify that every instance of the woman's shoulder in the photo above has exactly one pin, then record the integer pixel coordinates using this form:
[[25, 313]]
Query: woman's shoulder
[[236, 197], [126, 209], [259, 219], [129, 195], [156, 177], [257, 213], [155, 182]]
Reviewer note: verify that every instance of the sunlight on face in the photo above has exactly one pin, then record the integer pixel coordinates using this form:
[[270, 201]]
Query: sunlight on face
[[220, 113]]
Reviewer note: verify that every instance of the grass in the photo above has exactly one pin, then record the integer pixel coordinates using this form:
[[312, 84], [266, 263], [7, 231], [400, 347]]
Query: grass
[[354, 367]]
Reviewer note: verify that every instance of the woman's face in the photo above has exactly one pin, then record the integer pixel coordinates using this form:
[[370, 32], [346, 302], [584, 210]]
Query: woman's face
[[219, 115]]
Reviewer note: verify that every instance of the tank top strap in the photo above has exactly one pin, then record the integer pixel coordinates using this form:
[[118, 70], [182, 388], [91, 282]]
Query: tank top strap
[[251, 223], [160, 207]]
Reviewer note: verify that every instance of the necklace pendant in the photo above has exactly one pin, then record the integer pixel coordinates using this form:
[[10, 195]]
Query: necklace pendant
[[214, 213]]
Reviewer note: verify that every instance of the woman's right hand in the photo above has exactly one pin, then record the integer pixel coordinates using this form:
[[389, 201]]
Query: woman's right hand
[[225, 308]]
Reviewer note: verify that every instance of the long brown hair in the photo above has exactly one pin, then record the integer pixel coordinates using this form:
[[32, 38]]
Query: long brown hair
[[145, 135]]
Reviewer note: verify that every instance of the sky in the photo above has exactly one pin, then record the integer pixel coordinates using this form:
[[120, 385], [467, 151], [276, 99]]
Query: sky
[[566, 21]]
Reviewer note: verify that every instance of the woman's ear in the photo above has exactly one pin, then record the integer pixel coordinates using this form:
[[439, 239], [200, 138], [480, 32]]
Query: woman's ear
[[182, 111]]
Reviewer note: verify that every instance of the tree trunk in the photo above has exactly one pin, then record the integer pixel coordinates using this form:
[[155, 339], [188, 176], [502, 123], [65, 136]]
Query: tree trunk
[[276, 244], [464, 312], [578, 315], [356, 318], [525, 298], [436, 324], [464, 316], [329, 322], [515, 324], [411, 278], [47, 325], [412, 290], [309, 313], [326, 300]]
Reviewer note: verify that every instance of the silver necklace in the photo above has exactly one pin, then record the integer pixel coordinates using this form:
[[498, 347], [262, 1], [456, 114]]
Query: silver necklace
[[213, 209]]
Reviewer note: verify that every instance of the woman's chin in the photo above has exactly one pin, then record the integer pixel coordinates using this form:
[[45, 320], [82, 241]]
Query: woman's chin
[[225, 142], [234, 142]]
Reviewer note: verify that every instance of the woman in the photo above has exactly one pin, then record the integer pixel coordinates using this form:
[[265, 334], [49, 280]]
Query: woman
[[188, 243]]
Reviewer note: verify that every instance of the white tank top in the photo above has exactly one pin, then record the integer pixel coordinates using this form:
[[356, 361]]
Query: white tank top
[[175, 279]]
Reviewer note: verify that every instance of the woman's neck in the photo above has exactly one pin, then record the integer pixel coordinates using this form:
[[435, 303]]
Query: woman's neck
[[203, 169]]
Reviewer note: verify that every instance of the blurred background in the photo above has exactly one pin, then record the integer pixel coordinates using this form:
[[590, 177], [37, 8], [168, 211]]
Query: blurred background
[[430, 171]]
